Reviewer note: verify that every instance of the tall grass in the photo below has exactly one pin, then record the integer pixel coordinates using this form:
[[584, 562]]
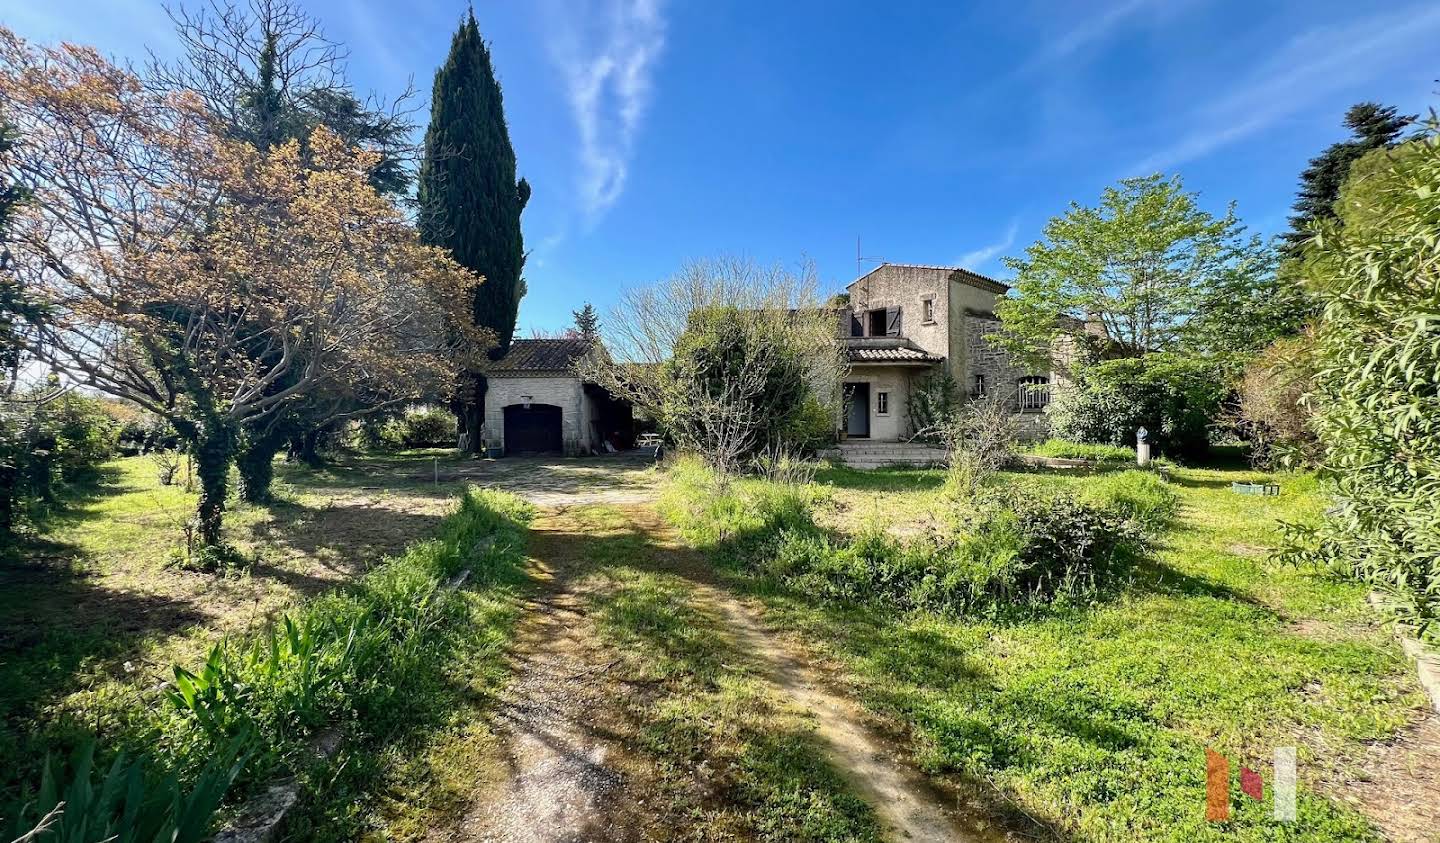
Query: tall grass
[[352, 660], [1065, 449], [1005, 550]]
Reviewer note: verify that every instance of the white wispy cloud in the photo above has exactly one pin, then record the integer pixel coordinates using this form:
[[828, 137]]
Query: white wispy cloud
[[538, 255], [1091, 27], [607, 51], [977, 258], [1316, 63]]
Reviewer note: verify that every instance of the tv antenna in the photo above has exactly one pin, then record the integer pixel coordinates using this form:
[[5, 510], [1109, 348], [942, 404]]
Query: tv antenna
[[860, 259]]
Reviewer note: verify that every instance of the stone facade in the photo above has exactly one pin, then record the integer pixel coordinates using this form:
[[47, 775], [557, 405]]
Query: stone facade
[[558, 390], [960, 306]]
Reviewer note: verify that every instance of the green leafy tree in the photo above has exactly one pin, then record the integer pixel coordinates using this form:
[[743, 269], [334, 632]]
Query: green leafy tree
[[587, 323], [1372, 126], [1376, 393], [470, 200], [1140, 263], [1242, 311], [1174, 396]]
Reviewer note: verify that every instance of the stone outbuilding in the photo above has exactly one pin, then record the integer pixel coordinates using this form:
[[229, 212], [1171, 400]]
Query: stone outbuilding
[[535, 403]]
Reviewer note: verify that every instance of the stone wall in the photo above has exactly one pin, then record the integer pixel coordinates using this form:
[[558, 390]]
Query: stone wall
[[1002, 376], [907, 287], [563, 391]]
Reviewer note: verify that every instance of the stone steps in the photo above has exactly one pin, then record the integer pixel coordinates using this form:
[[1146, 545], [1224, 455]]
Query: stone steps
[[880, 454]]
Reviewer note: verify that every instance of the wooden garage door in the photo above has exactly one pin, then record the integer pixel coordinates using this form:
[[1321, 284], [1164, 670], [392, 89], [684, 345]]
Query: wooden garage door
[[532, 430]]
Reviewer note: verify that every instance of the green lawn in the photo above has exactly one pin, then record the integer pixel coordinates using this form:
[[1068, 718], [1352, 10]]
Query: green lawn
[[94, 609], [1092, 722]]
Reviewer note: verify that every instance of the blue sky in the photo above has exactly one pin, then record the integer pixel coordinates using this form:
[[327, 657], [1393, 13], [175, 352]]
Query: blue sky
[[948, 133]]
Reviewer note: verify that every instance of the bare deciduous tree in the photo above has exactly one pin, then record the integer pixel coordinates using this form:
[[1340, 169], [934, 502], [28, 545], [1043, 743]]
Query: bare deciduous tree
[[723, 355], [268, 73], [981, 435]]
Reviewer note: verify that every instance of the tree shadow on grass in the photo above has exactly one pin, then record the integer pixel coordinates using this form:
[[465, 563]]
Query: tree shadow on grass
[[345, 540], [73, 504], [59, 629]]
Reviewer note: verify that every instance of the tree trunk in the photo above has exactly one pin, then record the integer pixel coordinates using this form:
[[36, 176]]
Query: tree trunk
[[256, 462], [213, 448], [469, 409], [305, 447], [9, 489]]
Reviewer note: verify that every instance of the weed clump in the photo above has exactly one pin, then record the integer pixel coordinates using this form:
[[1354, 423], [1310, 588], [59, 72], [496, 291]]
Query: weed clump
[[1004, 550]]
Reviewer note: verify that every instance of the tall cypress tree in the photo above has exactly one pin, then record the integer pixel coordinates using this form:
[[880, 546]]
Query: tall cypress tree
[[470, 200]]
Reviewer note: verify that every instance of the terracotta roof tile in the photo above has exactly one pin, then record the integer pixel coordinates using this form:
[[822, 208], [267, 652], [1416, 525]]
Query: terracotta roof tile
[[540, 356], [892, 355]]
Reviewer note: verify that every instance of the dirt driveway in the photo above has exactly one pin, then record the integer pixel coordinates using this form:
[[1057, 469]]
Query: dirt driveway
[[623, 478], [650, 703]]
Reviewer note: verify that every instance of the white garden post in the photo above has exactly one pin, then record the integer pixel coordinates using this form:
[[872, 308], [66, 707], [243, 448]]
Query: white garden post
[[1142, 447]]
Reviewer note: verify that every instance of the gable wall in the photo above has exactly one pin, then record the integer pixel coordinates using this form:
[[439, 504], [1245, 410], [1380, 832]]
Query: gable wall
[[905, 287], [563, 391]]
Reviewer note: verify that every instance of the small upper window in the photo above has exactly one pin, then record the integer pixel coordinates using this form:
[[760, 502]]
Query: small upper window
[[1034, 392], [882, 403], [927, 309]]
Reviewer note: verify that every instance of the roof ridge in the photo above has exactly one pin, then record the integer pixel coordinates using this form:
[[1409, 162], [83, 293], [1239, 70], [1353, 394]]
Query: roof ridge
[[970, 272]]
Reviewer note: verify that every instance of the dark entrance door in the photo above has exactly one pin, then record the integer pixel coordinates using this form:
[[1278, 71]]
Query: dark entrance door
[[532, 430], [857, 409]]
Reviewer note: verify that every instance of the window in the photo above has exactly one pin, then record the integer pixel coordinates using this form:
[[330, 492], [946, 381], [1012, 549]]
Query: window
[[927, 310], [979, 390], [1034, 392], [876, 319], [882, 403], [883, 322]]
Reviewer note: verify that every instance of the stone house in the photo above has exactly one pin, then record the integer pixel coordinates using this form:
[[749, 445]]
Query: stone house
[[906, 322], [535, 403]]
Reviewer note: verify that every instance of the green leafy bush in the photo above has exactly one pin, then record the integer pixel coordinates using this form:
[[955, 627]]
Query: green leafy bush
[[1016, 552], [1175, 397], [1377, 383], [82, 432], [45, 444], [1138, 496], [430, 428], [383, 434], [810, 429], [1010, 550]]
